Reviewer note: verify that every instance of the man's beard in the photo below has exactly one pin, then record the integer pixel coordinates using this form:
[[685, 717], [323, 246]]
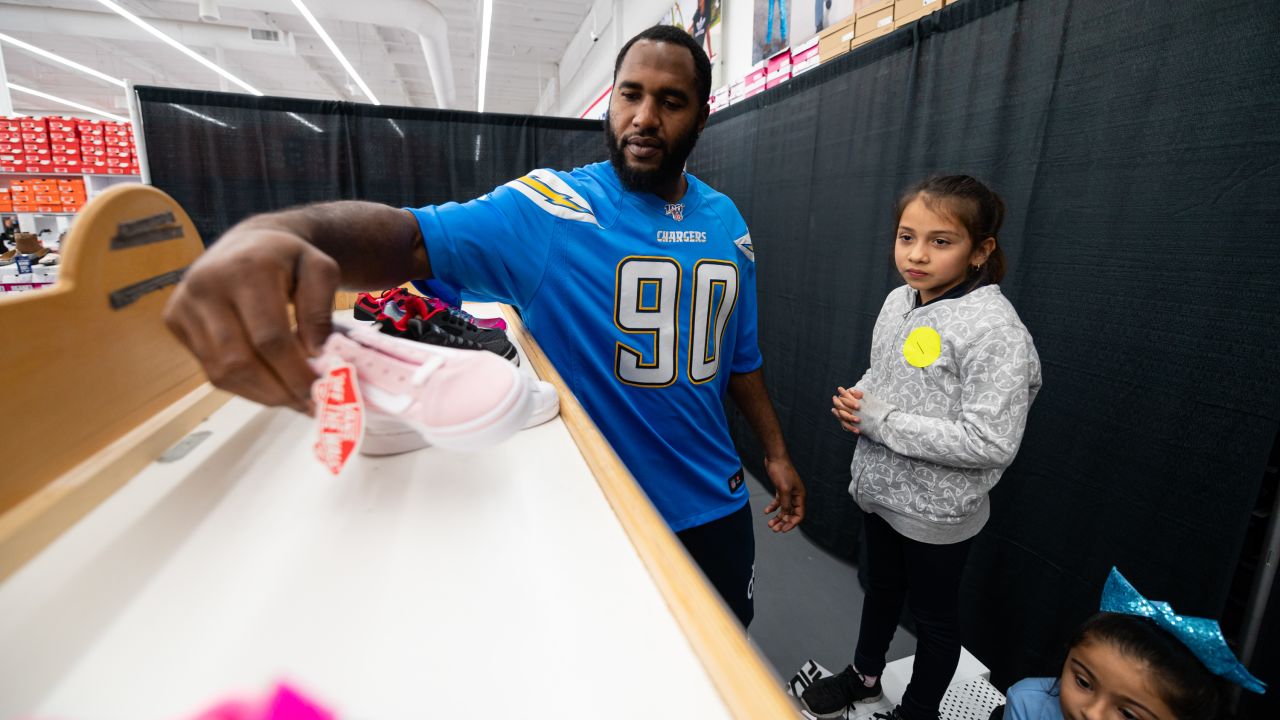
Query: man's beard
[[650, 181]]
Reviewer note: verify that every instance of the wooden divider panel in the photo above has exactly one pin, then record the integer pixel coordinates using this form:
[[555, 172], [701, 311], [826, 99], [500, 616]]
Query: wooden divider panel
[[89, 360]]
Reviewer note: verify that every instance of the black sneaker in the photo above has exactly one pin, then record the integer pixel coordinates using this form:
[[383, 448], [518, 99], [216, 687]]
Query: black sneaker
[[831, 696], [493, 340], [420, 330], [399, 309]]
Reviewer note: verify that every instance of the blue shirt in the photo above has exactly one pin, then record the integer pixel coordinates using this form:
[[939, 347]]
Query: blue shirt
[[644, 307], [1033, 699]]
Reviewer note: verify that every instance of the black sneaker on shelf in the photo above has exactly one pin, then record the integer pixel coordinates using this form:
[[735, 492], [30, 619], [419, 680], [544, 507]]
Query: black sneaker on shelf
[[398, 308], [420, 330], [493, 340], [831, 696]]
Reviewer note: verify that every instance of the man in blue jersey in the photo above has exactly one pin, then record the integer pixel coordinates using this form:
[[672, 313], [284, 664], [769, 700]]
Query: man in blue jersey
[[637, 279]]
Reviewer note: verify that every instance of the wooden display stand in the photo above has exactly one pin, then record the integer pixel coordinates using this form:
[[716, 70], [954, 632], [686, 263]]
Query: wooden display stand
[[413, 585], [95, 387]]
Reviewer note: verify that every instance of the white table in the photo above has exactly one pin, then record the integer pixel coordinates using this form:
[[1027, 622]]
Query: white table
[[533, 580]]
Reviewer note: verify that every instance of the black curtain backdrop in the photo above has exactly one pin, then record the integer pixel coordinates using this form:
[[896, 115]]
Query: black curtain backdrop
[[273, 153], [1136, 145]]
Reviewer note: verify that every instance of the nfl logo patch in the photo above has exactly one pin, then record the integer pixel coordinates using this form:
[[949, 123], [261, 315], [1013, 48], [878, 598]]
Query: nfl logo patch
[[676, 211]]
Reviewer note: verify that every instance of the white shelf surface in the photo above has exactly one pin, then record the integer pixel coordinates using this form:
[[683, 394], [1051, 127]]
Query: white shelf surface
[[429, 584]]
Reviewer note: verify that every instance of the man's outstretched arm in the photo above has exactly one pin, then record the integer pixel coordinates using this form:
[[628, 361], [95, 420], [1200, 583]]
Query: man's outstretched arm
[[231, 309]]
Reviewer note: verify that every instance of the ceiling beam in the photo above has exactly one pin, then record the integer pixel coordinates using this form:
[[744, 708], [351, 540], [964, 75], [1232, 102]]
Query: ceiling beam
[[155, 74], [338, 91], [395, 70]]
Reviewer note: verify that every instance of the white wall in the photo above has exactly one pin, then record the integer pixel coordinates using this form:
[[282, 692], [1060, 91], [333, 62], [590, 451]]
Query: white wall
[[587, 67], [737, 16]]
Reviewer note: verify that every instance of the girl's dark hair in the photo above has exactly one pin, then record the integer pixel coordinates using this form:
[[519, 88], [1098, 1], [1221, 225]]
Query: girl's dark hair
[[676, 36], [1185, 684], [975, 206]]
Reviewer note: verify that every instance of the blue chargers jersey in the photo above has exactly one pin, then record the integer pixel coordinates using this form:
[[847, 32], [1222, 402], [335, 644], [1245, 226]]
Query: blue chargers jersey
[[645, 308]]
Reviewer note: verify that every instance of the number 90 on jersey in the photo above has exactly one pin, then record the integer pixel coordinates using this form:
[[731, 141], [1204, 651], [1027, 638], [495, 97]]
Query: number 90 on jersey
[[647, 304]]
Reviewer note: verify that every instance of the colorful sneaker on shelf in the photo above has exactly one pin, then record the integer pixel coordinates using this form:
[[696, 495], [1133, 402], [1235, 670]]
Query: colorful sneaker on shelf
[[419, 330], [368, 307], [482, 323], [453, 399], [398, 311]]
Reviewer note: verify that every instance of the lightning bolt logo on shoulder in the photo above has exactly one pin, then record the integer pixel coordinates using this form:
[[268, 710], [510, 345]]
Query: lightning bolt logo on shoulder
[[550, 193]]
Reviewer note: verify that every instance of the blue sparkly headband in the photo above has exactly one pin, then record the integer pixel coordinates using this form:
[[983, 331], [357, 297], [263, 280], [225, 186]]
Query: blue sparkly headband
[[1202, 636]]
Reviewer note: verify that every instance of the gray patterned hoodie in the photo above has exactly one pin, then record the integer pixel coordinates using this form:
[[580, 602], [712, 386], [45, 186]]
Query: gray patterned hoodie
[[944, 405]]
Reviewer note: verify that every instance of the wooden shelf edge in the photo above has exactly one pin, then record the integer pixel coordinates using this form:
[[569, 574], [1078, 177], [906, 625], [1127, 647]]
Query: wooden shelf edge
[[749, 687], [37, 521]]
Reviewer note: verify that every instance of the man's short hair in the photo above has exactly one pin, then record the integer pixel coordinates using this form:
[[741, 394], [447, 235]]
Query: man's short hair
[[676, 36]]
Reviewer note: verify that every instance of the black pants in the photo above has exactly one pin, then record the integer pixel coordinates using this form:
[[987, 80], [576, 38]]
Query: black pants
[[927, 578], [725, 549]]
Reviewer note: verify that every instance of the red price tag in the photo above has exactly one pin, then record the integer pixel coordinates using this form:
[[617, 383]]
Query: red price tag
[[339, 416]]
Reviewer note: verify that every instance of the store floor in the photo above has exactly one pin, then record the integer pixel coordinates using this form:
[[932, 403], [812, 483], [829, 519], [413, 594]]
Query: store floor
[[808, 602]]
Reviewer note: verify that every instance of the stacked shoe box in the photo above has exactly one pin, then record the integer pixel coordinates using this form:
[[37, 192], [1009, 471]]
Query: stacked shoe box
[[834, 40], [804, 57], [10, 145], [64, 145], [67, 146], [906, 12], [778, 69], [71, 193], [107, 148], [24, 145], [719, 99], [45, 195], [756, 79], [873, 20]]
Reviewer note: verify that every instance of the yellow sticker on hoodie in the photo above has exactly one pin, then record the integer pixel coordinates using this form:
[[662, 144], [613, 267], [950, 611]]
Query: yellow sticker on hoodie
[[923, 347]]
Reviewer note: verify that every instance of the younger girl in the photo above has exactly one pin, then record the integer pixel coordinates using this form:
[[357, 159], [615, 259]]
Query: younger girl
[[1136, 659], [940, 414]]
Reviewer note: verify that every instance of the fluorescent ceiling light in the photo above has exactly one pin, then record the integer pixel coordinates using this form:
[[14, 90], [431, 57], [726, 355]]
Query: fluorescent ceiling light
[[486, 20], [59, 59], [177, 45], [68, 103], [333, 48], [200, 115], [303, 120]]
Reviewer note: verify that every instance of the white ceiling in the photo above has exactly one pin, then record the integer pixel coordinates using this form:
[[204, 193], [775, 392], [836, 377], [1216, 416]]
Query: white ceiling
[[527, 41]]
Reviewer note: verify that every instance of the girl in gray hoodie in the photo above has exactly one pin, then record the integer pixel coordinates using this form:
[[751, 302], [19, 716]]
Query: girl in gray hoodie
[[940, 414]]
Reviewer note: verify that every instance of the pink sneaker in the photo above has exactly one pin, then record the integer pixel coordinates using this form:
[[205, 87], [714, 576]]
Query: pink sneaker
[[455, 399], [386, 435]]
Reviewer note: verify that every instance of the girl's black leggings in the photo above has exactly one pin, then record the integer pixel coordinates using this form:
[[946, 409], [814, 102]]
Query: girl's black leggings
[[927, 579]]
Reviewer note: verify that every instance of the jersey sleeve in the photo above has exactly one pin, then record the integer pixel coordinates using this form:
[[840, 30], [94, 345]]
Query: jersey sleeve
[[746, 353], [498, 246]]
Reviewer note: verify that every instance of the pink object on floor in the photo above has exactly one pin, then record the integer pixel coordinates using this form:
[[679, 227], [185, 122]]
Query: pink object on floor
[[285, 703]]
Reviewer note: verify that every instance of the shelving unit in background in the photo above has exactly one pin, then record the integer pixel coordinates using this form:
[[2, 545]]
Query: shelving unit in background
[[60, 220], [49, 168]]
